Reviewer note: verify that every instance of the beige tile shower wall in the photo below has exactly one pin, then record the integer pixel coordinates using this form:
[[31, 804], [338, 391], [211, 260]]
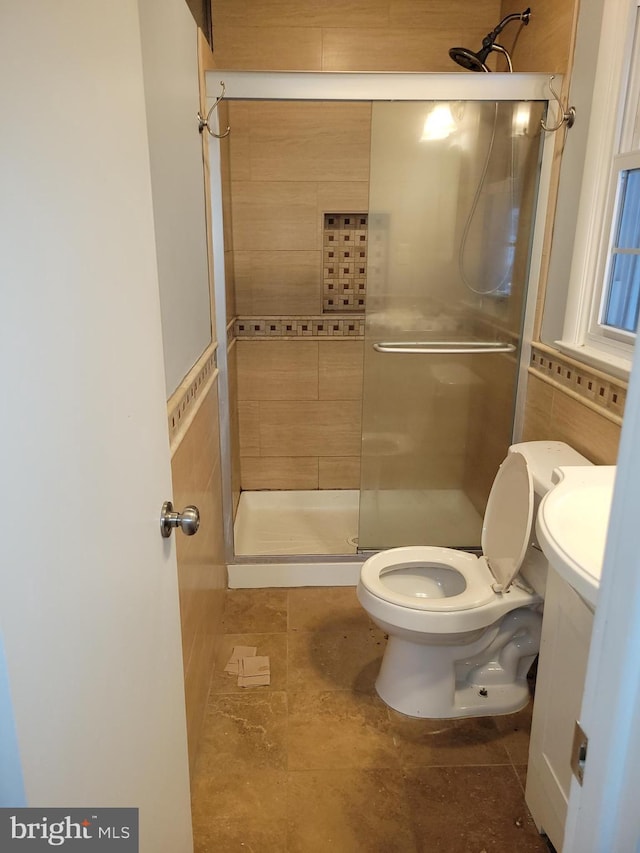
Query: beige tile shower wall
[[289, 164], [354, 35], [492, 409], [299, 408], [546, 43], [202, 574], [551, 414]]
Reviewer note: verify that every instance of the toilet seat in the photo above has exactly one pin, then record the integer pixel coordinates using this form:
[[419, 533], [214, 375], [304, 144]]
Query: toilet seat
[[505, 536]]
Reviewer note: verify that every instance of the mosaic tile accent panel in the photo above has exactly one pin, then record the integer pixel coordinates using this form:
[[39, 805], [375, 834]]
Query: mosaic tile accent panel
[[344, 258], [319, 326], [579, 380]]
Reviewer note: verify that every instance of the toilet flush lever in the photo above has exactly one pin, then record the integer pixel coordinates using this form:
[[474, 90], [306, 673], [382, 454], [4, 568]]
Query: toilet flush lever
[[188, 520]]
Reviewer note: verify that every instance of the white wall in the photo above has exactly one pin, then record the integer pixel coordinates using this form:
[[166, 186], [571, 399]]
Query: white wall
[[169, 53]]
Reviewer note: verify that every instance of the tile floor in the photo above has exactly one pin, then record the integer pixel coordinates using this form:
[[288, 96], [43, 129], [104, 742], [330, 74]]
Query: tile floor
[[316, 762]]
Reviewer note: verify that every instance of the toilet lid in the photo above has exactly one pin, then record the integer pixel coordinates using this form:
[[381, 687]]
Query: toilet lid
[[507, 521]]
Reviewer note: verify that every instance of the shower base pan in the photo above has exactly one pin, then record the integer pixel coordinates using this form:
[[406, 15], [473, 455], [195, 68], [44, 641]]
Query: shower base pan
[[281, 537], [297, 522]]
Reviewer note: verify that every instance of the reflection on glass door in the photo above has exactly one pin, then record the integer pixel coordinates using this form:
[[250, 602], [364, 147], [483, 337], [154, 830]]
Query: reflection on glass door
[[452, 196]]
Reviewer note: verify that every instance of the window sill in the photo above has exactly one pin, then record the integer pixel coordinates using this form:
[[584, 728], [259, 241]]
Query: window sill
[[611, 364]]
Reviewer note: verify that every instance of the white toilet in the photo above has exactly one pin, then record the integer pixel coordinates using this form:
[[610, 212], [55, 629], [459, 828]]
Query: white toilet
[[464, 630]]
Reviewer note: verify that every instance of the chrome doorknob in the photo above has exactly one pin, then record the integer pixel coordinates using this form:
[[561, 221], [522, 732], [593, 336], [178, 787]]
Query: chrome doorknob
[[188, 520]]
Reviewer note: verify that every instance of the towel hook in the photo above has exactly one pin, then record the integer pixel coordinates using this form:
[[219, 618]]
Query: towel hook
[[204, 122], [568, 117]]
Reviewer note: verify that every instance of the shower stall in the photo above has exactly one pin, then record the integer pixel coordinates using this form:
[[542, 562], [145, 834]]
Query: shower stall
[[427, 246]]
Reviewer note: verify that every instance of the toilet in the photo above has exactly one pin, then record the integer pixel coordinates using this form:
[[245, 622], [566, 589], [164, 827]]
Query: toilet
[[464, 629]]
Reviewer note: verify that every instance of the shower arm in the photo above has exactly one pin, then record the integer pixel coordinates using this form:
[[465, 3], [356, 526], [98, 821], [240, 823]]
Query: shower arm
[[489, 41]]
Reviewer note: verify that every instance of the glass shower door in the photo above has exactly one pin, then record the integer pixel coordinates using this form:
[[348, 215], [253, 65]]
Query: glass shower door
[[451, 205]]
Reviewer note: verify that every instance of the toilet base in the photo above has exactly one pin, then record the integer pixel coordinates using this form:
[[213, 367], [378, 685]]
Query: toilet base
[[420, 680], [468, 702]]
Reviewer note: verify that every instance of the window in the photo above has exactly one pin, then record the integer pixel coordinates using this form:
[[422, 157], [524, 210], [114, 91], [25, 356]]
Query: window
[[604, 290], [621, 299]]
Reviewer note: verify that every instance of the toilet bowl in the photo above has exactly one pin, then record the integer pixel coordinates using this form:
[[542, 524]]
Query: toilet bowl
[[464, 630]]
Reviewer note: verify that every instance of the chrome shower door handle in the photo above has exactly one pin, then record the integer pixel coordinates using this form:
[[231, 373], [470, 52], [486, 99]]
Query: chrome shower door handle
[[443, 347], [188, 520]]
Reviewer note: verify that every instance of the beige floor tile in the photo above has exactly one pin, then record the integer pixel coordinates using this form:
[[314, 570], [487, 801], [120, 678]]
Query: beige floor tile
[[339, 730], [326, 609], [464, 809], [515, 730], [343, 660], [240, 836], [470, 741], [349, 811], [317, 762], [272, 645], [259, 611], [521, 771], [230, 836], [260, 795], [244, 733]]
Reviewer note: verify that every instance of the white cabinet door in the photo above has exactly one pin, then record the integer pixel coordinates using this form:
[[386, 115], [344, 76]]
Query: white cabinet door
[[564, 649], [88, 588]]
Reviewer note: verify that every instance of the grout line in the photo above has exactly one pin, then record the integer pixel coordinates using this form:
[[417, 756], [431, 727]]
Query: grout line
[[451, 766]]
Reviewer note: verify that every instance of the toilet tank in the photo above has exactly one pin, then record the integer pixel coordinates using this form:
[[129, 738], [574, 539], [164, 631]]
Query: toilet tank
[[542, 458]]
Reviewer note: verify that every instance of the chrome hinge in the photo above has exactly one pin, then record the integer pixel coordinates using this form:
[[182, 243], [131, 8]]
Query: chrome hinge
[[579, 752]]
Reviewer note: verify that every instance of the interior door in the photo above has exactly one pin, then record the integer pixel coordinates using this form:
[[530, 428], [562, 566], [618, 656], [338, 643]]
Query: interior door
[[88, 588]]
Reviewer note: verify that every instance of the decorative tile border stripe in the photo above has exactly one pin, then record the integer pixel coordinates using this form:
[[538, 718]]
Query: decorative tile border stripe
[[231, 332], [185, 400], [596, 389], [344, 259], [316, 326]]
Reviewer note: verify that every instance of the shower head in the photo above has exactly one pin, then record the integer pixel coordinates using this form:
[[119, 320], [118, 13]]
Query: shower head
[[477, 61], [467, 59]]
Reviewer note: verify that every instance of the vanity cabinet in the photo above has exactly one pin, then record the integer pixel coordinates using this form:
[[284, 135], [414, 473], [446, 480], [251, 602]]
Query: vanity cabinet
[[564, 649]]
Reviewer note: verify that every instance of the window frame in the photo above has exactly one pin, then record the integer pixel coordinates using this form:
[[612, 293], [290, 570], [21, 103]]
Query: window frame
[[618, 341], [613, 133]]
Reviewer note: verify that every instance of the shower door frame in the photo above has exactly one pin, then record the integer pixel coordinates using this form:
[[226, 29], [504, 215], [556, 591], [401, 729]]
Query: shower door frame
[[304, 570]]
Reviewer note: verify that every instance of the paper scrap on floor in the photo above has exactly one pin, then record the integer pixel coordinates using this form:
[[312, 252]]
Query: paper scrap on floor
[[238, 653], [254, 671]]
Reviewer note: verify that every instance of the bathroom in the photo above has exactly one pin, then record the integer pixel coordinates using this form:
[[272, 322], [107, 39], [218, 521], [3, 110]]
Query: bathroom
[[565, 400], [285, 374]]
